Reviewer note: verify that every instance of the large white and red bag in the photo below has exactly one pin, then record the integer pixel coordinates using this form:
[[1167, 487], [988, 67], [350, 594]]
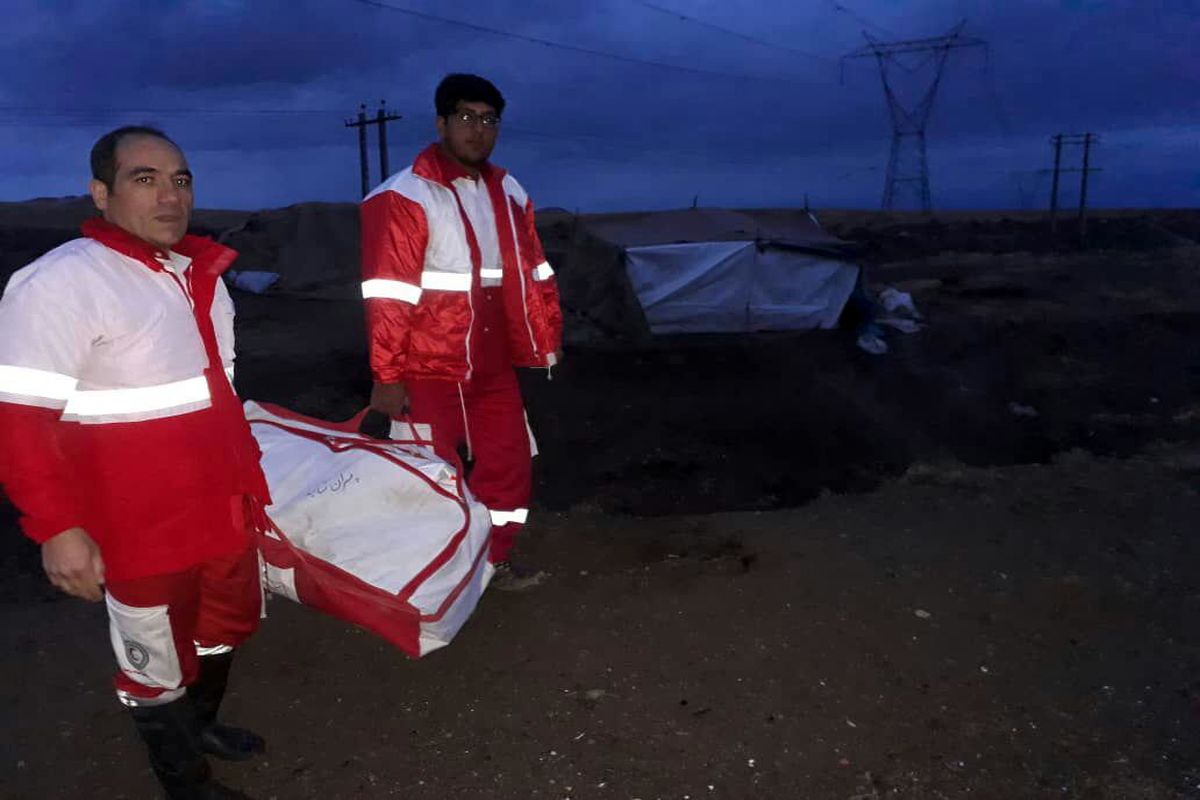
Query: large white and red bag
[[383, 534]]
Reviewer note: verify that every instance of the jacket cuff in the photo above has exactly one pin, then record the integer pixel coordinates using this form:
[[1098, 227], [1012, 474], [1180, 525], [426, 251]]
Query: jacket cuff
[[390, 376], [42, 529]]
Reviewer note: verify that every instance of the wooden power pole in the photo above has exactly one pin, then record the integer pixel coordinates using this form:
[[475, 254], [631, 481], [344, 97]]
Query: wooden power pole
[[381, 119], [1057, 140], [1086, 140]]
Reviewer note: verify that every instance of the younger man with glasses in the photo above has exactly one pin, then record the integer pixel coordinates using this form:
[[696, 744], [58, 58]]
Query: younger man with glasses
[[458, 293]]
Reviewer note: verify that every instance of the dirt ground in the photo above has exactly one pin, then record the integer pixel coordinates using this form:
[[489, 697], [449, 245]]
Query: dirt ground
[[780, 568]]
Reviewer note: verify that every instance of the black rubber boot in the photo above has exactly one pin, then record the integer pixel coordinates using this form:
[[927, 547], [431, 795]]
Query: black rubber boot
[[175, 755], [221, 741]]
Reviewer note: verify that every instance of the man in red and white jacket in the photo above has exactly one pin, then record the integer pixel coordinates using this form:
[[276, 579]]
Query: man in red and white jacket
[[126, 450], [458, 293]]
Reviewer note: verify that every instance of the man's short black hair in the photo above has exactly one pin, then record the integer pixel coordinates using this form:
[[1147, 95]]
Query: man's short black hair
[[104, 151], [466, 88]]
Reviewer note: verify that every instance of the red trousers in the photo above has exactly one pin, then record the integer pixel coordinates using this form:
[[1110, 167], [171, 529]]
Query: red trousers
[[486, 414], [161, 624]]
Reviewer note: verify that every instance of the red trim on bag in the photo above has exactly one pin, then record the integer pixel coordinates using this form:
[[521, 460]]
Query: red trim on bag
[[441, 558], [328, 588], [340, 444], [453, 596], [337, 444], [349, 426]]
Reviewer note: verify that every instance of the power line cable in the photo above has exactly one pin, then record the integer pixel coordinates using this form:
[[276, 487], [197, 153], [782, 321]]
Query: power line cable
[[860, 19], [47, 116], [57, 111], [620, 149], [571, 47], [602, 150], [728, 31], [989, 77]]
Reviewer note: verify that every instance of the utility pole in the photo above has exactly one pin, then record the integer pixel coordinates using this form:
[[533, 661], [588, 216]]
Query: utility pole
[[908, 124], [381, 119], [1028, 183], [1058, 140], [364, 170], [1083, 182]]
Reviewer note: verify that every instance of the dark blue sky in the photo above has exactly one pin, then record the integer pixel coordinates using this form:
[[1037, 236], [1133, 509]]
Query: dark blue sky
[[756, 111]]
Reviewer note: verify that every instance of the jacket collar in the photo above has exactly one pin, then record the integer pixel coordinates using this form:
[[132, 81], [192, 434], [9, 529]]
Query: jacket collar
[[432, 164], [205, 254]]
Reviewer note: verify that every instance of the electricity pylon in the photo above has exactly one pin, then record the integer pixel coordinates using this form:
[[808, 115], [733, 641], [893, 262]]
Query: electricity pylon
[[907, 165]]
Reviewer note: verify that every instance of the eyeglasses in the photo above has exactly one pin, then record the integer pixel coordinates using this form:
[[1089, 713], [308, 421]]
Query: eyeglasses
[[468, 119]]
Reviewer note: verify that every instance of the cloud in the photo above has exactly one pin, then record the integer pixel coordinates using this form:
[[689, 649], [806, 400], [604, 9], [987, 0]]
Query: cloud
[[261, 88]]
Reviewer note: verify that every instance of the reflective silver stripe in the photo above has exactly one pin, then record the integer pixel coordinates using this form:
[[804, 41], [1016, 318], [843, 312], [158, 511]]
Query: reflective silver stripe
[[505, 517], [446, 281], [391, 290], [216, 650], [262, 587], [491, 277], [36, 383], [543, 271], [101, 402], [133, 701]]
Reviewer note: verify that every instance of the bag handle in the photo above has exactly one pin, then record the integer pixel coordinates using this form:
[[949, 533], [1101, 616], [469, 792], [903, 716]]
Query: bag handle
[[369, 422], [378, 425], [372, 422]]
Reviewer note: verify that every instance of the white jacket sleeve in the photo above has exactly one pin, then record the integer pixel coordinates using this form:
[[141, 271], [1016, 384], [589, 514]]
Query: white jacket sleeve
[[46, 335]]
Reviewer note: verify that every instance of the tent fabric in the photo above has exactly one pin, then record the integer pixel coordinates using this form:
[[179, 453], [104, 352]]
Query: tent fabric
[[790, 227], [314, 248], [692, 287], [630, 276], [799, 291], [736, 287]]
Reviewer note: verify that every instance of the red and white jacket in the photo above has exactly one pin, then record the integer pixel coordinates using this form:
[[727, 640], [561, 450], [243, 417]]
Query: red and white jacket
[[421, 261], [117, 412]]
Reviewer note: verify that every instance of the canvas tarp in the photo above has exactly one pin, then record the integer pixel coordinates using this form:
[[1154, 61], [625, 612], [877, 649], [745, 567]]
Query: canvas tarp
[[627, 276], [314, 248]]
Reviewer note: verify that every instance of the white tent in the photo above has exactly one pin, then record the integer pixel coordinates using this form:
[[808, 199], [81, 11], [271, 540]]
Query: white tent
[[706, 271]]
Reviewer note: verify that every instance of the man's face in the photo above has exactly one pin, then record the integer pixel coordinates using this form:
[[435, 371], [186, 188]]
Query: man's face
[[151, 196], [466, 134]]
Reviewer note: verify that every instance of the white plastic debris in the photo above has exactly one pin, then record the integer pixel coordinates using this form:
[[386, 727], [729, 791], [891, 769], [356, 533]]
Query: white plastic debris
[[870, 343], [1022, 410], [898, 303], [900, 323], [251, 280]]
